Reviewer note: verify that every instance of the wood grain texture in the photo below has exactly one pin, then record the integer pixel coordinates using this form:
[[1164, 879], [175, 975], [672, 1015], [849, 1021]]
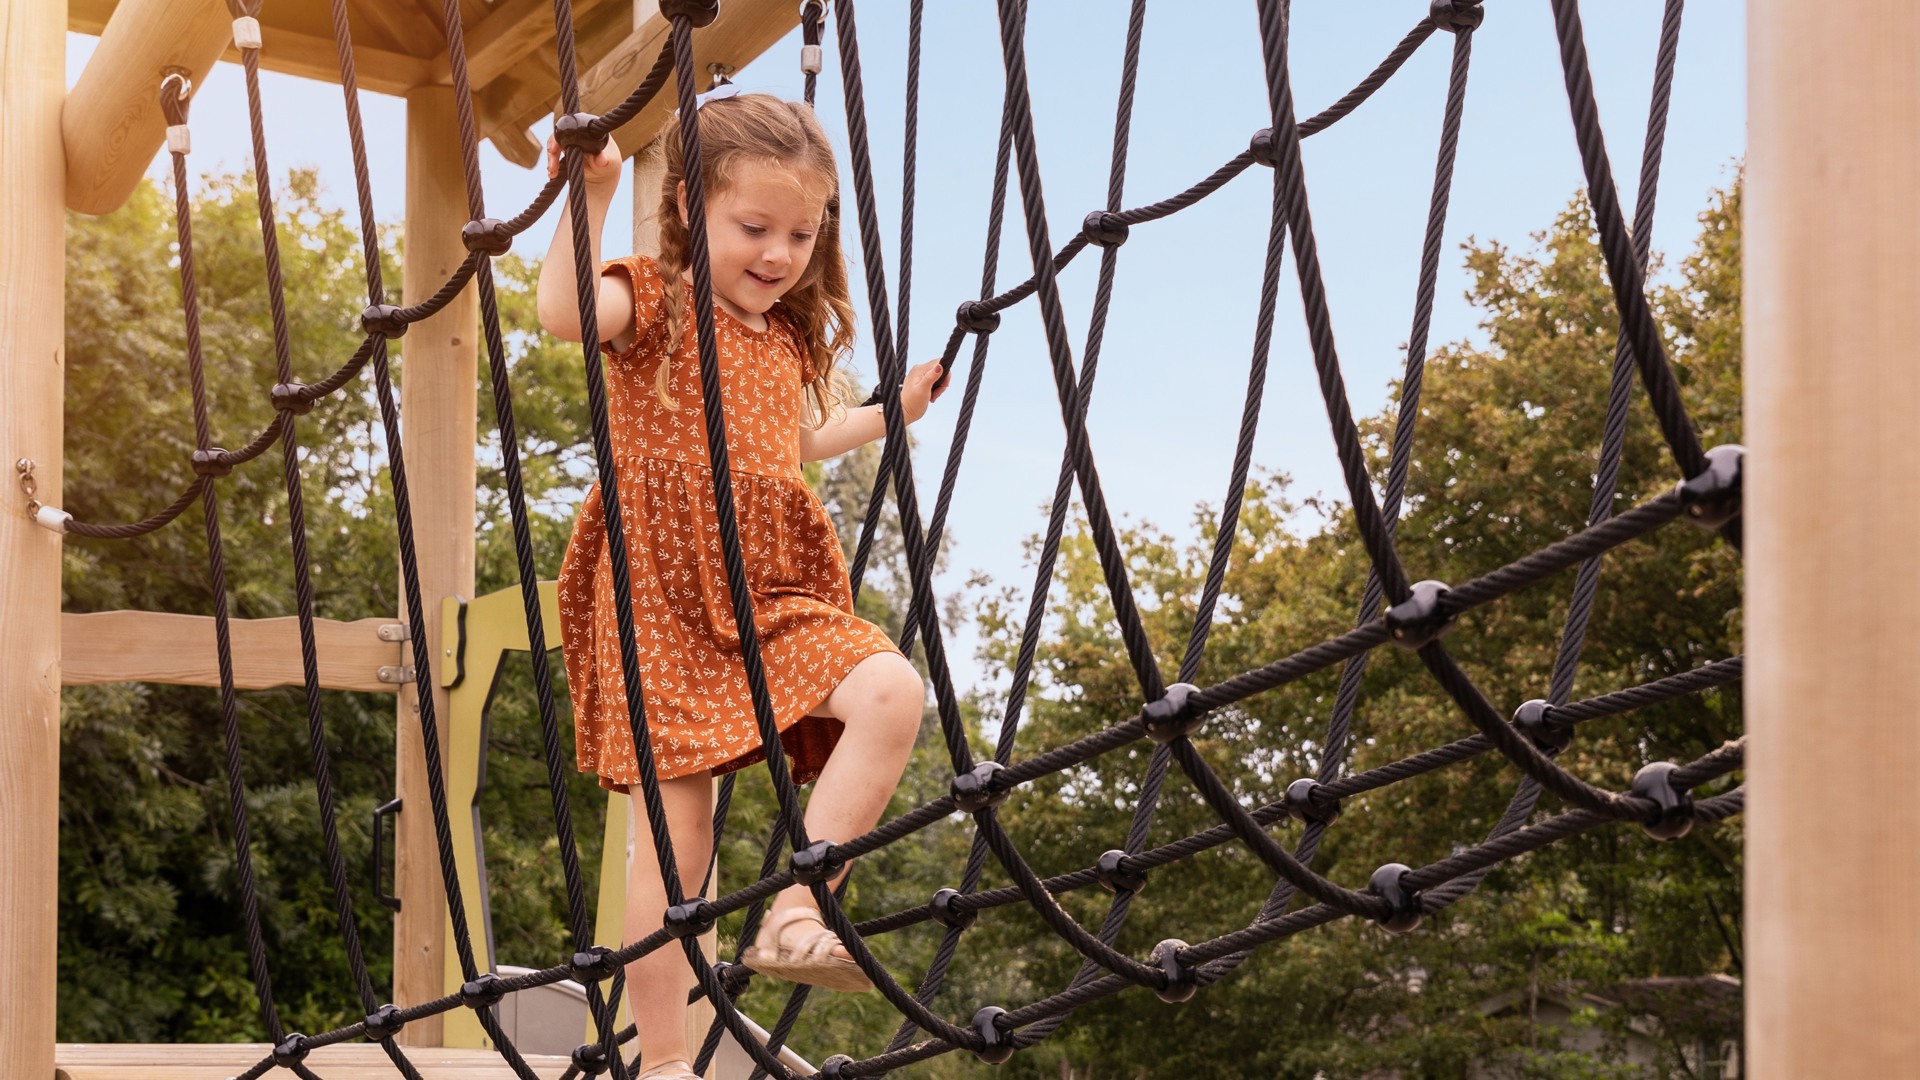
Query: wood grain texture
[[32, 380], [112, 121], [154, 646], [438, 406], [1832, 497]]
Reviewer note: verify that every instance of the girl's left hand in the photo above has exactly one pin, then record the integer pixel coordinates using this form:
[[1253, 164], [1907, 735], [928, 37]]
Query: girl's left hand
[[925, 383]]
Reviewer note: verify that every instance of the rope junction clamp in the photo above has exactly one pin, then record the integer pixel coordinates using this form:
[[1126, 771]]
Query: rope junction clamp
[[246, 32], [1418, 619]]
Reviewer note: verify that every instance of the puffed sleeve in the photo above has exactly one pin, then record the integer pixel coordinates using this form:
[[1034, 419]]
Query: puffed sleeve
[[649, 294]]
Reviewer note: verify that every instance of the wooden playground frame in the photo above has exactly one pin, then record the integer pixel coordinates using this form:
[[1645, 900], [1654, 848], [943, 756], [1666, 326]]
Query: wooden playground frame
[[1832, 501]]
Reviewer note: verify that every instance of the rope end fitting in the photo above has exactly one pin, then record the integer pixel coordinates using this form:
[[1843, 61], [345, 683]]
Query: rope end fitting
[[1712, 498], [1675, 816], [980, 789], [1456, 16], [996, 1045], [246, 32], [1421, 617], [1182, 980], [574, 131], [51, 518], [811, 61], [1174, 716], [697, 12], [1388, 883]]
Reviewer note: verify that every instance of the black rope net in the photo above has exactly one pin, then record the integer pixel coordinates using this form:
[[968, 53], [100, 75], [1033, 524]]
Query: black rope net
[[1410, 615]]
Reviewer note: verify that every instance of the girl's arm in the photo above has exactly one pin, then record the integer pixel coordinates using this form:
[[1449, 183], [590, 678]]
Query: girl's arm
[[858, 427], [556, 298]]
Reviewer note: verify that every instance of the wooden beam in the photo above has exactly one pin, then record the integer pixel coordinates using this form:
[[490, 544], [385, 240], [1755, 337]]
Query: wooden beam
[[154, 646], [439, 404], [112, 122], [290, 52], [32, 383], [512, 31], [341, 1061], [1832, 524], [744, 30]]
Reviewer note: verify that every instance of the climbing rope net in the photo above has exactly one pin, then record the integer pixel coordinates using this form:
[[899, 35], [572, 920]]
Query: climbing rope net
[[1411, 615]]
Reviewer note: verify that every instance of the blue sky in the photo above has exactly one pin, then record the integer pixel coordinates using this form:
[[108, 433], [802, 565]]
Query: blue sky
[[1174, 367]]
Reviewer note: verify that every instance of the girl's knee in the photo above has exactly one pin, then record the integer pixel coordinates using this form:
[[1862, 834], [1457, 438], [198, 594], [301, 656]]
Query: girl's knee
[[894, 692]]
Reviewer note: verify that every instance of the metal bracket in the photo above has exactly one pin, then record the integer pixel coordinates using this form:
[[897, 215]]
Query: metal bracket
[[396, 673], [394, 631]]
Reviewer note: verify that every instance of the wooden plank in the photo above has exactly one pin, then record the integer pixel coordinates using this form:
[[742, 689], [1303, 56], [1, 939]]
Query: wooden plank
[[513, 30], [744, 30], [217, 1061], [154, 646], [112, 122], [293, 52], [439, 404], [1832, 523], [32, 332]]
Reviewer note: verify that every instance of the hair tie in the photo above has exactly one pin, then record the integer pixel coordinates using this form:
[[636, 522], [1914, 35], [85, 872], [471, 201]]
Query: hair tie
[[719, 93]]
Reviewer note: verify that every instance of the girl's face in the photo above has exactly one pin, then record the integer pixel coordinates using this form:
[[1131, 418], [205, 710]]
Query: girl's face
[[761, 233]]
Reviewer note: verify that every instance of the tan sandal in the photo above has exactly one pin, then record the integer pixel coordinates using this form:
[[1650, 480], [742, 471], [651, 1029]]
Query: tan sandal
[[670, 1069], [810, 960]]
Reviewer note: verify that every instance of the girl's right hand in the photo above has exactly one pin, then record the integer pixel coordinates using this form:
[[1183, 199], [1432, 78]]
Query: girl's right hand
[[602, 168]]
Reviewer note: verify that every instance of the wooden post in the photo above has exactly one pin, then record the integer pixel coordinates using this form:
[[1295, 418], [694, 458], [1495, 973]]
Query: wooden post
[[437, 415], [1833, 532], [32, 384], [112, 119]]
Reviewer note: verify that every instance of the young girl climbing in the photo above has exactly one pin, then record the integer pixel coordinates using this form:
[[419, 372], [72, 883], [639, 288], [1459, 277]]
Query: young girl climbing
[[846, 702]]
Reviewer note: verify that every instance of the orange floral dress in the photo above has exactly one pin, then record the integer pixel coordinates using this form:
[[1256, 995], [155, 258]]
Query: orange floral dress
[[698, 708]]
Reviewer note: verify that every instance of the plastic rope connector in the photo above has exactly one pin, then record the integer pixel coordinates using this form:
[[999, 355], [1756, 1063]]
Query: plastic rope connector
[[1182, 981], [590, 1059], [1301, 806], [291, 397], [944, 913], [698, 12], [810, 60], [1712, 498], [689, 918], [980, 789], [211, 462], [1675, 817], [483, 992], [1261, 147], [291, 1050], [489, 236], [593, 964], [574, 131], [1175, 715], [1114, 875], [996, 1045], [1456, 16], [382, 319], [1104, 229], [1387, 884], [384, 1023], [733, 978], [815, 863], [1535, 720], [835, 1067], [246, 32], [179, 139], [1417, 620], [975, 317]]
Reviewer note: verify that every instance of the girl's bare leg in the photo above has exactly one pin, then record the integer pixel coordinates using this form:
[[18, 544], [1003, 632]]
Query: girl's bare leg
[[658, 983], [880, 702]]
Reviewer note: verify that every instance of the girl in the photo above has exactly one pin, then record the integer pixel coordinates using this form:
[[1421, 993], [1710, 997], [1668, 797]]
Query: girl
[[847, 703]]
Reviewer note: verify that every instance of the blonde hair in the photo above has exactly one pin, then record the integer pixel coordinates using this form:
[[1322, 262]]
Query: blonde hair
[[760, 128]]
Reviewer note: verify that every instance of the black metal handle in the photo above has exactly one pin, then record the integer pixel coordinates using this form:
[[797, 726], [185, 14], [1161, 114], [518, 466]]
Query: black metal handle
[[379, 852]]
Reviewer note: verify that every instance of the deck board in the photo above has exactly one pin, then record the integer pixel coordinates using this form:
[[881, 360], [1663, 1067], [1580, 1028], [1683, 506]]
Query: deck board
[[217, 1061]]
